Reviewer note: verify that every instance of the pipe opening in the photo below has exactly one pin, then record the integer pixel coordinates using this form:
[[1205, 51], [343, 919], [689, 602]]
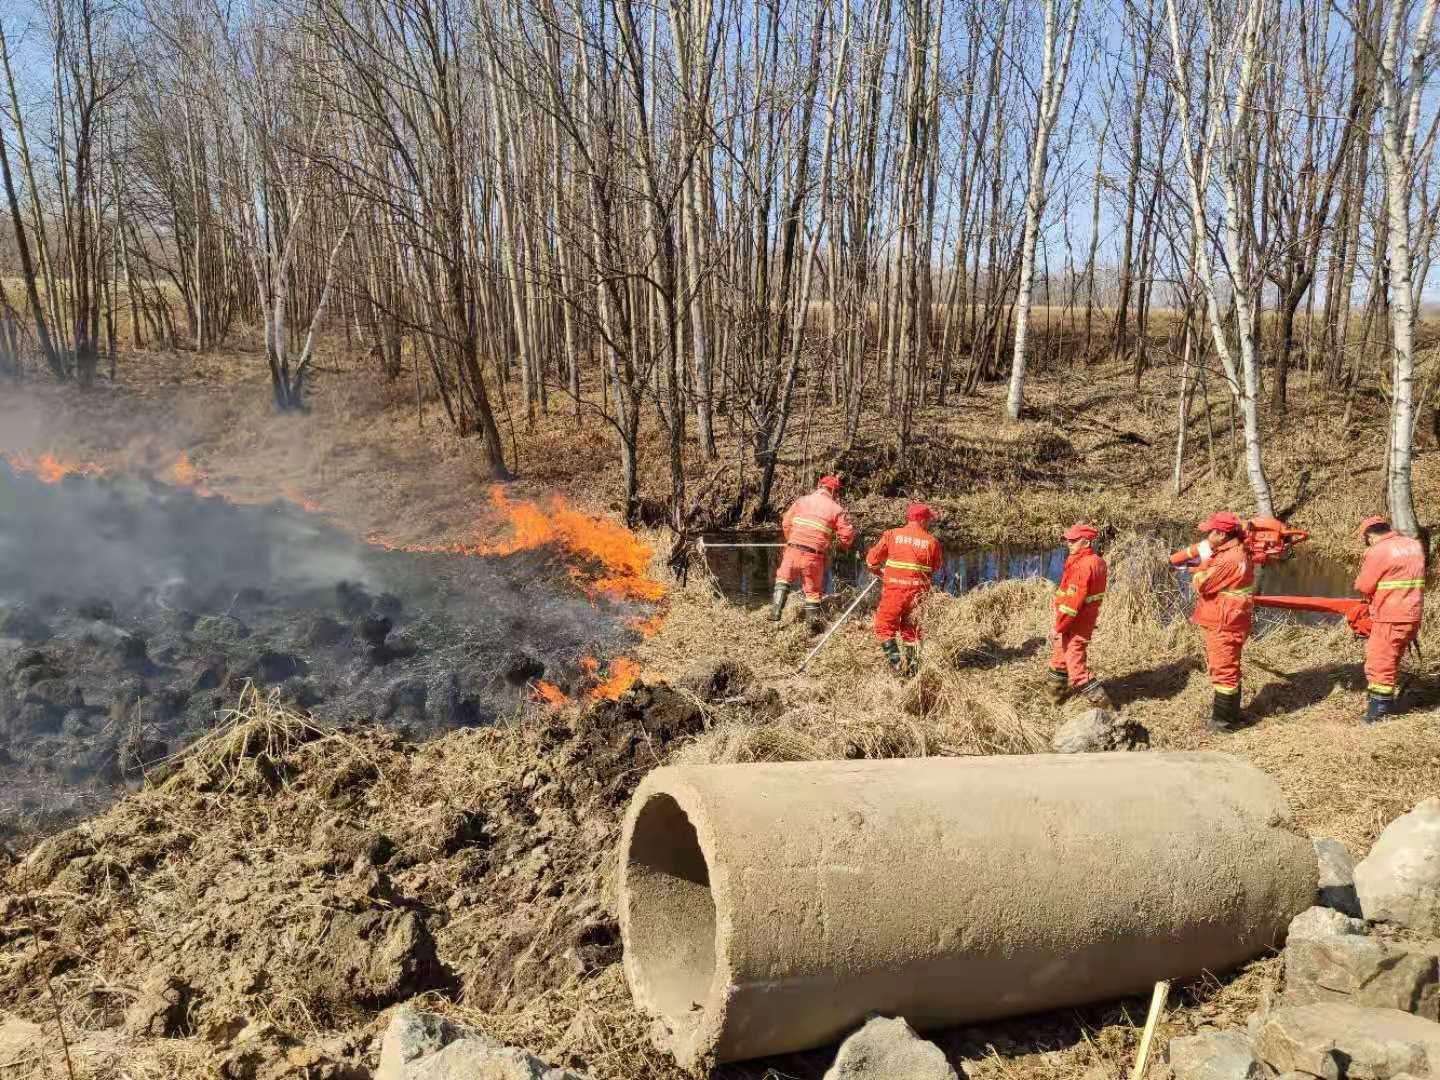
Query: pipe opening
[[671, 912]]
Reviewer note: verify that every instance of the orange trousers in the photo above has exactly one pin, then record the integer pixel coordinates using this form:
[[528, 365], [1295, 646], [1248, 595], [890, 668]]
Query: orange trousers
[[896, 613], [1071, 655], [805, 567], [1222, 653], [1384, 649]]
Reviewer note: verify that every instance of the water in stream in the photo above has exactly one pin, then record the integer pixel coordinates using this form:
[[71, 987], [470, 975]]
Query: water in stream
[[747, 574]]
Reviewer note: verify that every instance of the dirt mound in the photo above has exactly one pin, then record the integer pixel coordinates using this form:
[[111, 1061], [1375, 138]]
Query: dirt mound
[[307, 877]]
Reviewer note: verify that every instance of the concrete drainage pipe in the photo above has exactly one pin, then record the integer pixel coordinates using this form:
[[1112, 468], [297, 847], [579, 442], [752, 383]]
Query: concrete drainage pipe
[[770, 908]]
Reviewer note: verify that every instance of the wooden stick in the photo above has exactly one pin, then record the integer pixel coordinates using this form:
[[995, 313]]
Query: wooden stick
[[1157, 1006]]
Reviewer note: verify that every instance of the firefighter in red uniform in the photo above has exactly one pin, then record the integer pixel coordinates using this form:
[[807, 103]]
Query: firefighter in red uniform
[[1392, 579], [811, 524], [905, 560], [1077, 606], [1224, 584]]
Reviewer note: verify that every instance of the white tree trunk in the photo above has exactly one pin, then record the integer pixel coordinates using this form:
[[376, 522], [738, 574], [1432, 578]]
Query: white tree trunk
[[1244, 380], [1052, 89], [1401, 113]]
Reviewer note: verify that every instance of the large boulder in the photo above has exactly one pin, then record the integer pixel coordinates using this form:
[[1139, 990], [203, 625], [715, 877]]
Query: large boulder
[[1337, 877], [889, 1049], [1096, 731], [1363, 971], [1339, 1041], [1216, 1055], [1399, 881], [423, 1046]]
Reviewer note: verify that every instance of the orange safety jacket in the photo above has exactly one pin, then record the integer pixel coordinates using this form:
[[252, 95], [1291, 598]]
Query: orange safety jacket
[[905, 557], [1392, 578], [1224, 585], [815, 520], [1081, 592]]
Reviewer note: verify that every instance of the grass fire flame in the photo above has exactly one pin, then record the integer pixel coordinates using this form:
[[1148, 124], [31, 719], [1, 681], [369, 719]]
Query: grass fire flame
[[50, 469]]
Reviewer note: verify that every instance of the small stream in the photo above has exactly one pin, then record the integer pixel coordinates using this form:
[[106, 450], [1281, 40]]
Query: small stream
[[746, 575]]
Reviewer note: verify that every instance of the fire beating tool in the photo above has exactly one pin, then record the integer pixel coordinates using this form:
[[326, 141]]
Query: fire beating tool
[[1356, 612], [838, 623]]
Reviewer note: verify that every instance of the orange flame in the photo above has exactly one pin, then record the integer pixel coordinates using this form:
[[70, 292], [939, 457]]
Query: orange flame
[[623, 673], [549, 693], [49, 469], [609, 543], [624, 558], [649, 627], [185, 473]]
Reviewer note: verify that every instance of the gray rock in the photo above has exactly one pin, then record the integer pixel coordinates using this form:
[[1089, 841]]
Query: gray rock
[[1322, 922], [1096, 731], [1362, 971], [410, 1036], [1337, 1041], [889, 1049], [483, 1059], [423, 1046], [1218, 1055], [1337, 877], [1399, 881]]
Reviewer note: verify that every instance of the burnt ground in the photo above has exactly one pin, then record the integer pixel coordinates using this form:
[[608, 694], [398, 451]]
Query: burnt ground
[[132, 615]]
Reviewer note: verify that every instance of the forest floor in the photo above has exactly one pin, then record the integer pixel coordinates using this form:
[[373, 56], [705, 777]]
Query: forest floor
[[502, 836]]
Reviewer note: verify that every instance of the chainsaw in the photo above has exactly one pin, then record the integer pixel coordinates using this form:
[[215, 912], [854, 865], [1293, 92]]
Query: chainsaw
[[1269, 539], [1266, 540]]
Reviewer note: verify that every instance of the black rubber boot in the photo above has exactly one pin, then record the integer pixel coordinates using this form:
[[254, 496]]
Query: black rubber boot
[[777, 600], [1225, 711], [1379, 707], [815, 616], [1057, 686], [892, 655], [911, 662]]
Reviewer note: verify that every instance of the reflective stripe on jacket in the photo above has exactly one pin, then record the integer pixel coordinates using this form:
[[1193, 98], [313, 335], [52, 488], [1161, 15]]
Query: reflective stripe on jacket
[[1081, 590], [905, 557], [1224, 587], [815, 520], [1392, 578]]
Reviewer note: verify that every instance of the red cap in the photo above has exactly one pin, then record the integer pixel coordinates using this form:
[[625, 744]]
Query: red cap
[[1081, 531], [919, 512], [830, 484], [1370, 522], [1224, 521]]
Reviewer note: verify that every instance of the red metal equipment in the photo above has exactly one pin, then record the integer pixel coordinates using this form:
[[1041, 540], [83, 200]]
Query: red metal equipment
[[1356, 612], [1268, 539]]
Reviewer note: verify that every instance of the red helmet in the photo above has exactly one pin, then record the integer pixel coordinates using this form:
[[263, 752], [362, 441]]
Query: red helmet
[[1371, 522], [919, 512], [830, 484], [1081, 531], [1223, 521]]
